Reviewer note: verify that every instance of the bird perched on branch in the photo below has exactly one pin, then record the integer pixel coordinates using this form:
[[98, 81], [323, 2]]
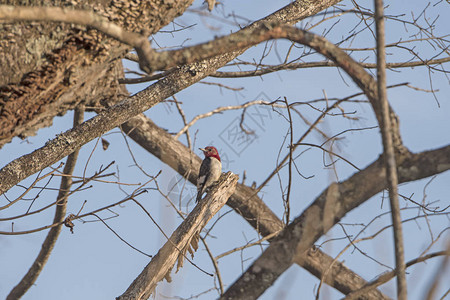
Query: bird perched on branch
[[210, 170]]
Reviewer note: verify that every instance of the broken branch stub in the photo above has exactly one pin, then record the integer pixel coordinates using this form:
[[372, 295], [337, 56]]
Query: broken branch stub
[[184, 238]]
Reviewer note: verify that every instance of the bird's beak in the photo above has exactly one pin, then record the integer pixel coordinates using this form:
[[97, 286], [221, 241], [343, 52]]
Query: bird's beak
[[204, 150]]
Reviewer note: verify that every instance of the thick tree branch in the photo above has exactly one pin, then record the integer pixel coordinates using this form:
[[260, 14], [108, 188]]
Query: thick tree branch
[[67, 65], [328, 209], [245, 201], [185, 238], [290, 66], [81, 17], [88, 18], [335, 273]]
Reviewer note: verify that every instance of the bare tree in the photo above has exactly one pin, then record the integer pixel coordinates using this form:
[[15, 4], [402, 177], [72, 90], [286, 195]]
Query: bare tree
[[70, 55]]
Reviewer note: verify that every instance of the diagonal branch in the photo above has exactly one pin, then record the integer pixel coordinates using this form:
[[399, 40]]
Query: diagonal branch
[[328, 209], [183, 239], [245, 201], [47, 246], [268, 30]]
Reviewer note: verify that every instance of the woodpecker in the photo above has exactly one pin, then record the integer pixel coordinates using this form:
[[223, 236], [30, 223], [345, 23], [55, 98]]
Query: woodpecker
[[210, 170]]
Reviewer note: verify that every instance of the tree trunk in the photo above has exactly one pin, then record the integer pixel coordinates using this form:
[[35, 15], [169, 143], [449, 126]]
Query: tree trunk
[[49, 68]]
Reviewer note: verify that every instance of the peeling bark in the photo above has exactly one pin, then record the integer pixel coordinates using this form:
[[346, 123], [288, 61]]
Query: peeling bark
[[61, 65]]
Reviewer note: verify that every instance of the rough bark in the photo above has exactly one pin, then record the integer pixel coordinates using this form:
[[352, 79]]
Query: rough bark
[[184, 238], [49, 68]]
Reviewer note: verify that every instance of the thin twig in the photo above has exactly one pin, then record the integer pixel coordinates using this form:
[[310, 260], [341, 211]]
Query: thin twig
[[387, 276], [61, 203], [291, 149], [120, 238], [216, 111], [326, 63], [313, 125], [31, 186], [183, 117], [331, 153], [215, 264], [267, 237]]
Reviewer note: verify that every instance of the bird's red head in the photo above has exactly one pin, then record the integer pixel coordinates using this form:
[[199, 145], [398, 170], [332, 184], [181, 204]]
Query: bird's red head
[[211, 151]]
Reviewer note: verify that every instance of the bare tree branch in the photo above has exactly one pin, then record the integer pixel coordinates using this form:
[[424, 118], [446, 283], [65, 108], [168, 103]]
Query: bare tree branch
[[296, 7], [216, 111], [272, 30], [47, 246], [184, 238], [337, 200], [290, 66], [72, 217], [245, 200], [14, 172], [335, 273], [295, 66]]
